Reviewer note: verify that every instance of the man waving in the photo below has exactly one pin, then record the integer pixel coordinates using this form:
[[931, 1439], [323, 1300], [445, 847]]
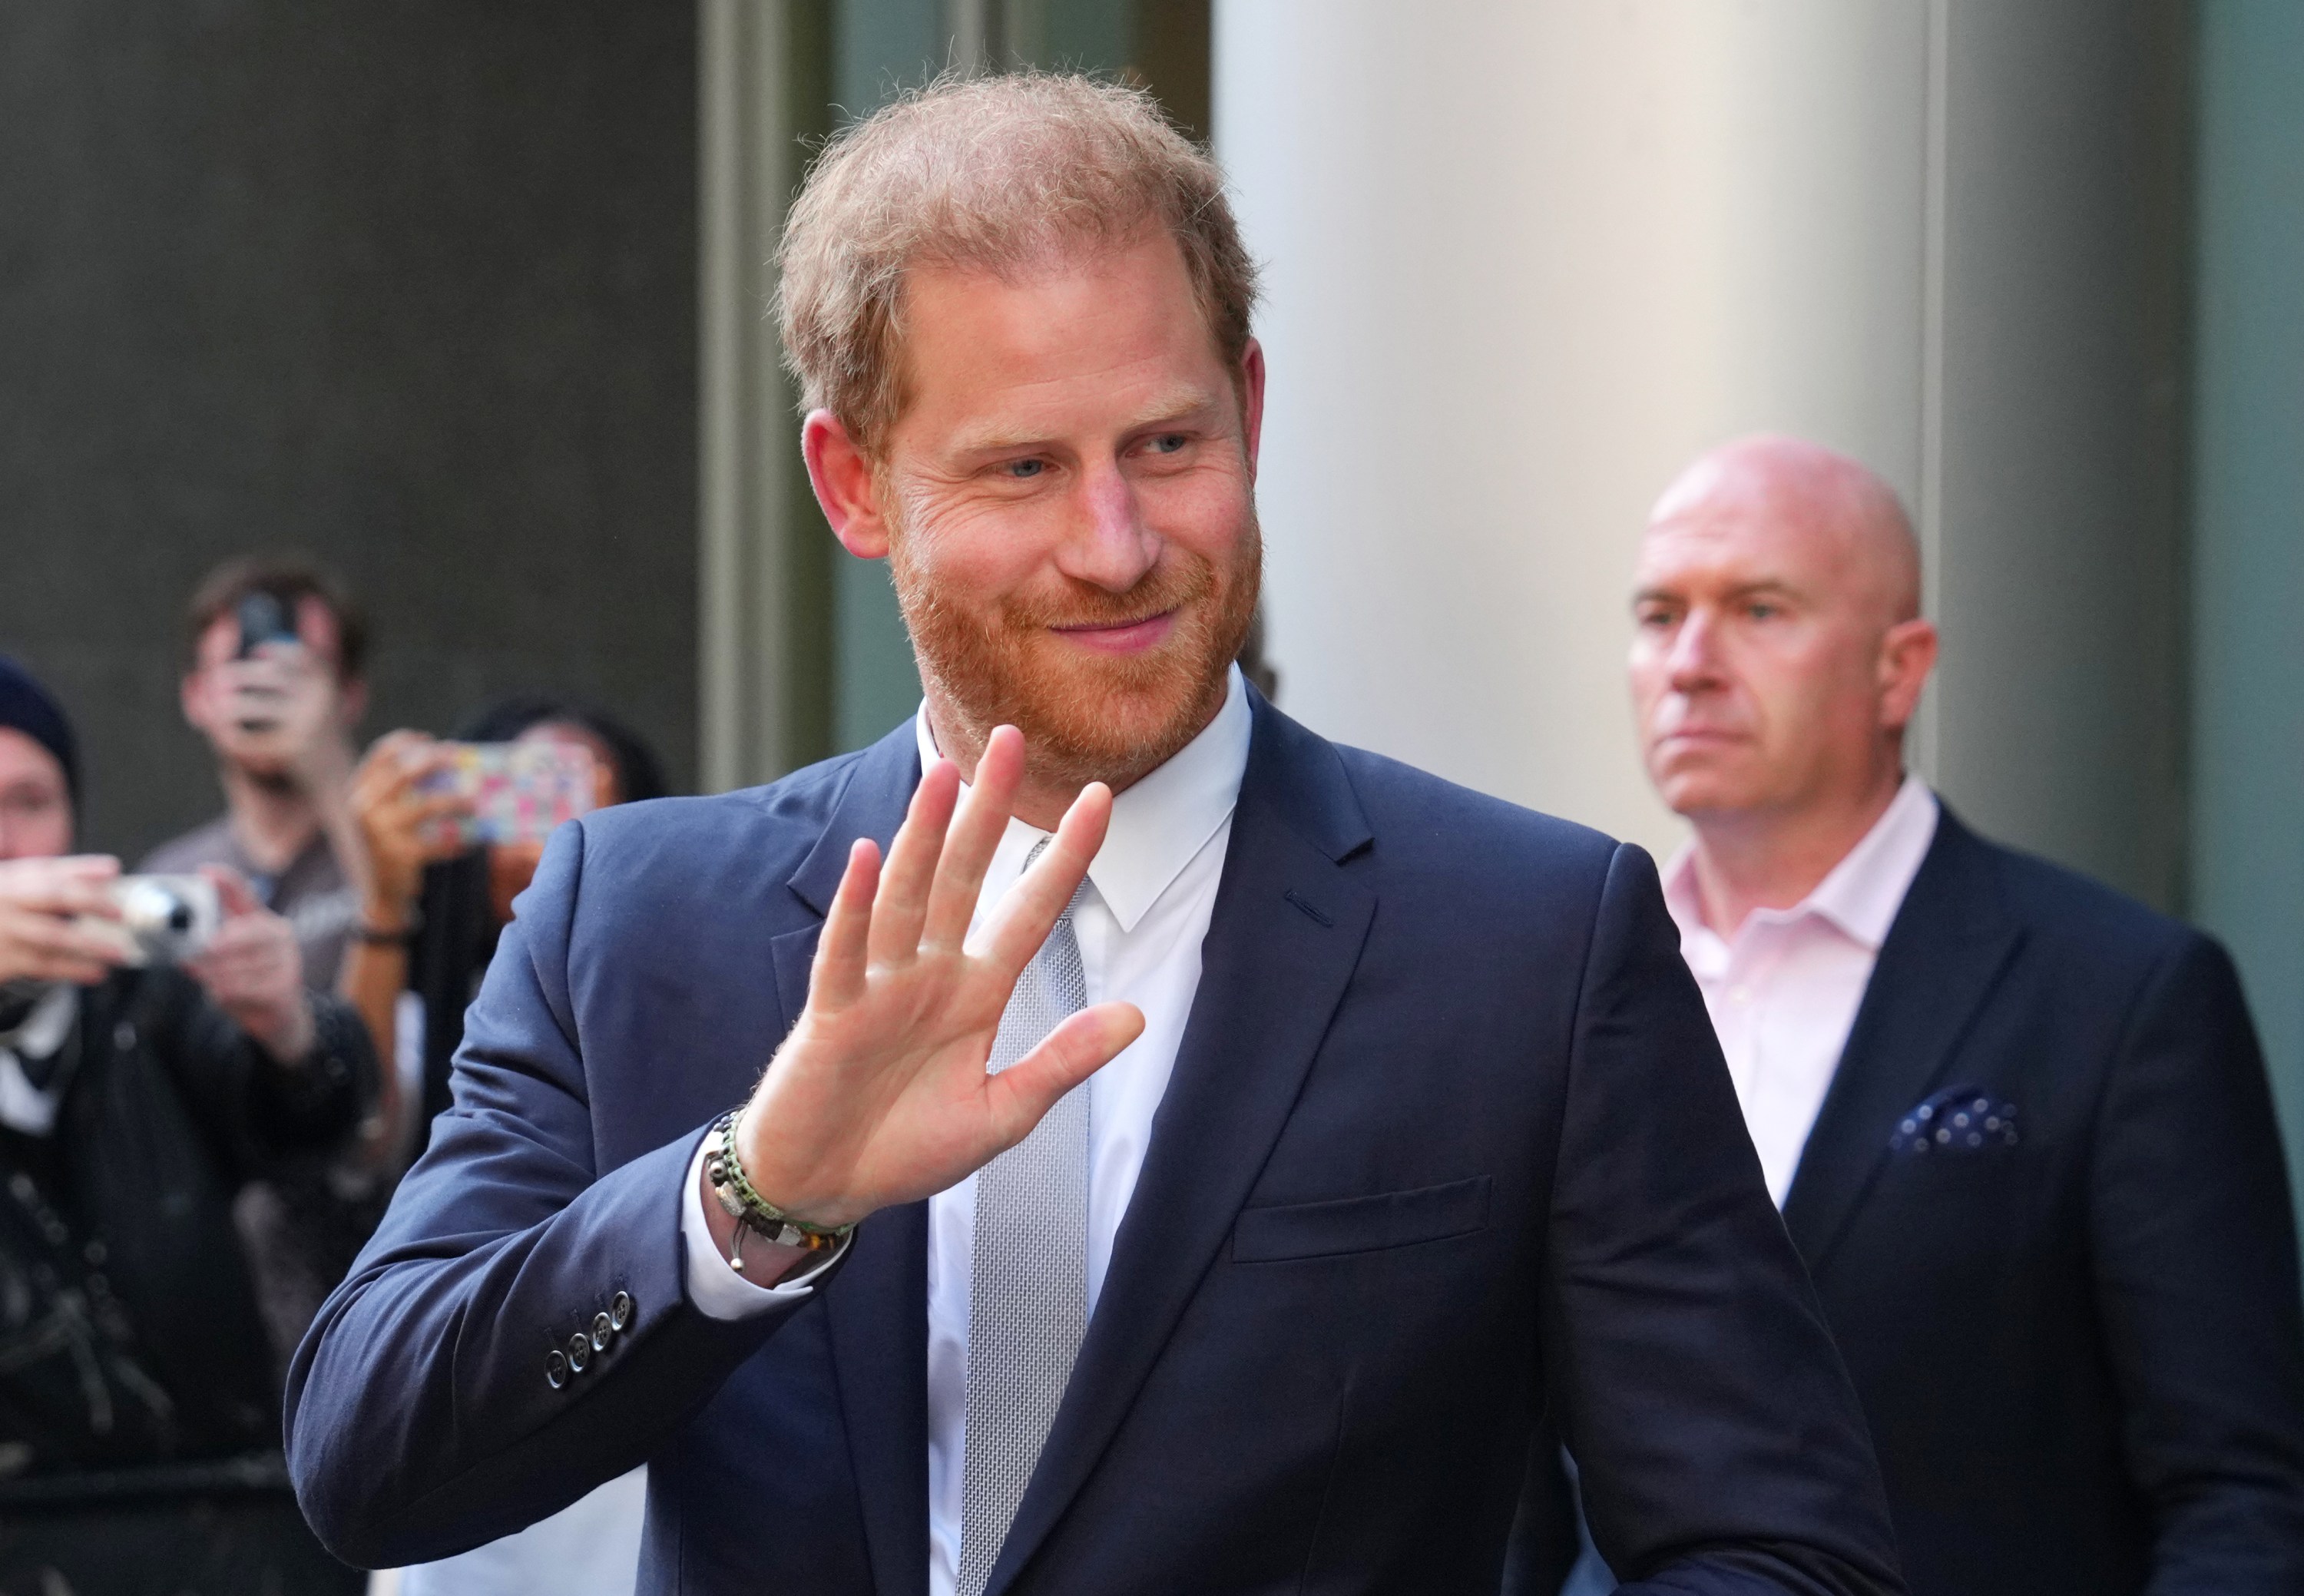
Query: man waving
[[1190, 1155]]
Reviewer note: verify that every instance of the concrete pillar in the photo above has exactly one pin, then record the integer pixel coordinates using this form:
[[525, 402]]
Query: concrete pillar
[[2248, 574], [1524, 260]]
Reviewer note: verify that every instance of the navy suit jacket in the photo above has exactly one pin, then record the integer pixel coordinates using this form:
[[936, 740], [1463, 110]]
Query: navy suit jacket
[[1448, 1139], [2073, 1320]]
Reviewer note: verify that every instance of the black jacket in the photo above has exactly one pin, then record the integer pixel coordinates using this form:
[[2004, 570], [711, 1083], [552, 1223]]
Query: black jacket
[[129, 1334], [2046, 1211]]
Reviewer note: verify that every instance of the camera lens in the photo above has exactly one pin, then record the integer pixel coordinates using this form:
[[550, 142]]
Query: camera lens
[[180, 916]]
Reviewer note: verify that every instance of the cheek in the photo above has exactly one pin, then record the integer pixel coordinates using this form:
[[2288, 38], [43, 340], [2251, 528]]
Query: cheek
[[1209, 512], [975, 555], [57, 836]]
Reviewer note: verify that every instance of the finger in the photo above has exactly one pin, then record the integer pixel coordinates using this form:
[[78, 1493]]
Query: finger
[[845, 945], [80, 883], [233, 894], [236, 937], [47, 938], [1017, 1098], [975, 837], [904, 898], [1022, 922], [78, 972], [70, 898]]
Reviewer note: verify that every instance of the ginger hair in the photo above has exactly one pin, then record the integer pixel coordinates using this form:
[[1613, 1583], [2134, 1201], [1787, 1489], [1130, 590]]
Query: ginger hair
[[1005, 175]]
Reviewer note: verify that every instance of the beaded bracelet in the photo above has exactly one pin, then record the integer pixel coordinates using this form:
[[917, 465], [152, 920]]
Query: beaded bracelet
[[753, 1212]]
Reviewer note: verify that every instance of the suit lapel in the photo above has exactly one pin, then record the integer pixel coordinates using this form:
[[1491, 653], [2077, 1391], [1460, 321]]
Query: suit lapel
[[876, 1306], [1284, 939], [1945, 952]]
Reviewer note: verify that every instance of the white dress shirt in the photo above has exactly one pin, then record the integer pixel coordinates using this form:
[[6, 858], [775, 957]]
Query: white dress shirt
[[1152, 889], [1785, 990]]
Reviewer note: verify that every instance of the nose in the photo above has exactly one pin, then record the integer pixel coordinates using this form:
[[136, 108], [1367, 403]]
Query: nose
[[1110, 546], [1694, 660]]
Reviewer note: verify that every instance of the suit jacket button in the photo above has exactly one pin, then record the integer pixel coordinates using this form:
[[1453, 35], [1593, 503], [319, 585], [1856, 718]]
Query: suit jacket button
[[579, 1350], [604, 1330], [620, 1309], [556, 1369]]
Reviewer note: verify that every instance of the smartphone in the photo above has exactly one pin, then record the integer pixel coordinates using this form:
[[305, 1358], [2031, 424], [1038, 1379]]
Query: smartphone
[[263, 620], [519, 792]]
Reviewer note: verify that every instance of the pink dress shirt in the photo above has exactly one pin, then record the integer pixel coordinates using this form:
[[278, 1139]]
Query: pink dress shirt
[[1785, 990]]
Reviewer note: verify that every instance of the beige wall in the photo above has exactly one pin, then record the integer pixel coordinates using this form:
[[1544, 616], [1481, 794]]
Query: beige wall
[[1524, 260]]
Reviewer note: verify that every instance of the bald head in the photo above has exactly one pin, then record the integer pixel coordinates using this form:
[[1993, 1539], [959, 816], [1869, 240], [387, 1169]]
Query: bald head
[[1779, 651], [1812, 494]]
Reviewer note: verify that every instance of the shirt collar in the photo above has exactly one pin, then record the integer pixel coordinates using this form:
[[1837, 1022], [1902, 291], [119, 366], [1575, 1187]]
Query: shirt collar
[[1860, 895], [1159, 824], [45, 1024]]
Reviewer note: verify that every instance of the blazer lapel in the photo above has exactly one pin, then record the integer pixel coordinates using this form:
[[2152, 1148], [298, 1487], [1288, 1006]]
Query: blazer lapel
[[1945, 952], [876, 1306], [1285, 935]]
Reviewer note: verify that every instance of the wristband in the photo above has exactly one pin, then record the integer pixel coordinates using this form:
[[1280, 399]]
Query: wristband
[[376, 936], [753, 1212]]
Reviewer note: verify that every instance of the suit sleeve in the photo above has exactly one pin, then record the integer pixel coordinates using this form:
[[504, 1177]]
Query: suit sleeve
[[2194, 1247], [423, 1416], [1719, 1438]]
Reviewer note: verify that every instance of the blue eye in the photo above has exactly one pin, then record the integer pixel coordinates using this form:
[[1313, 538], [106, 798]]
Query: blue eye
[[1024, 470], [1169, 442]]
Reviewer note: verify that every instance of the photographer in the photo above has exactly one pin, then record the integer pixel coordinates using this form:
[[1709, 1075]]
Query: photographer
[[433, 904], [275, 683], [138, 1418]]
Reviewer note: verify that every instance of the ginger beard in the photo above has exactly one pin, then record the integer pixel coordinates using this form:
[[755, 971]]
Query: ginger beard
[[1085, 716]]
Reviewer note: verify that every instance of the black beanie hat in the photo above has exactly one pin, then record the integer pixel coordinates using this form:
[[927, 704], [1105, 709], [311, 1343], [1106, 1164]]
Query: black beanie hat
[[27, 707]]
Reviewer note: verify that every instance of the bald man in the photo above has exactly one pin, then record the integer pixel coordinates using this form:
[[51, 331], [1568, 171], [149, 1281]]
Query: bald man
[[2018, 1125]]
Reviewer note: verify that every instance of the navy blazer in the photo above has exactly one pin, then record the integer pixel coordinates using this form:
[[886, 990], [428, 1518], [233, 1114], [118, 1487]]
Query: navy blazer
[[2045, 1208], [1448, 1139]]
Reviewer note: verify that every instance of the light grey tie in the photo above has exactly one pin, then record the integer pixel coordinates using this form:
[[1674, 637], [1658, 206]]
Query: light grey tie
[[1027, 1291]]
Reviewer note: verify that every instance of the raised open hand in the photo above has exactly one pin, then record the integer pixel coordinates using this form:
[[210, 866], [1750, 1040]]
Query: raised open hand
[[879, 1095]]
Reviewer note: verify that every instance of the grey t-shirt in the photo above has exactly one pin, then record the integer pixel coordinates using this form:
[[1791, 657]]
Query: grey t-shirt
[[311, 894]]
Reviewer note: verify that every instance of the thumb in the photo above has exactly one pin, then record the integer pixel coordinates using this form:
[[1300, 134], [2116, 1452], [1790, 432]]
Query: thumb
[[233, 894], [1019, 1096]]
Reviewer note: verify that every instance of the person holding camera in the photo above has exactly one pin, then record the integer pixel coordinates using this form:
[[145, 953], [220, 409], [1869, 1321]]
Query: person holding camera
[[275, 683], [146, 1074]]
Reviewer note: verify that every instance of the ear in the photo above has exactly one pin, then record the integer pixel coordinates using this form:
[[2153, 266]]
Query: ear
[[1907, 653], [1251, 397], [845, 486]]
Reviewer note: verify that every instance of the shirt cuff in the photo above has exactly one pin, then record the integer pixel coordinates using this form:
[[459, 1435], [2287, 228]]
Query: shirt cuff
[[717, 1290]]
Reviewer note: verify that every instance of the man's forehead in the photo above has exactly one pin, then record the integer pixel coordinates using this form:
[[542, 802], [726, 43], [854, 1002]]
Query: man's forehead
[[1742, 542], [1120, 324], [23, 761]]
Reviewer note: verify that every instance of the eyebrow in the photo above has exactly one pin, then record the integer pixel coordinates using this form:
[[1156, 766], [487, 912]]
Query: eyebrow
[[1168, 406], [1766, 584]]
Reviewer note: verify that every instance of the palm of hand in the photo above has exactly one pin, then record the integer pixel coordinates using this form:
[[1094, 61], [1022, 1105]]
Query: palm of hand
[[879, 1095]]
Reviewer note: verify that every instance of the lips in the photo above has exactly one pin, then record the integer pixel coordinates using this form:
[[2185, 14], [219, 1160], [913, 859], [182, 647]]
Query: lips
[[1127, 637]]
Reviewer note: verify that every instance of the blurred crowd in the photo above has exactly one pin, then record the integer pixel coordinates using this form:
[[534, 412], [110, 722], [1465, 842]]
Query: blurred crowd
[[215, 1065]]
